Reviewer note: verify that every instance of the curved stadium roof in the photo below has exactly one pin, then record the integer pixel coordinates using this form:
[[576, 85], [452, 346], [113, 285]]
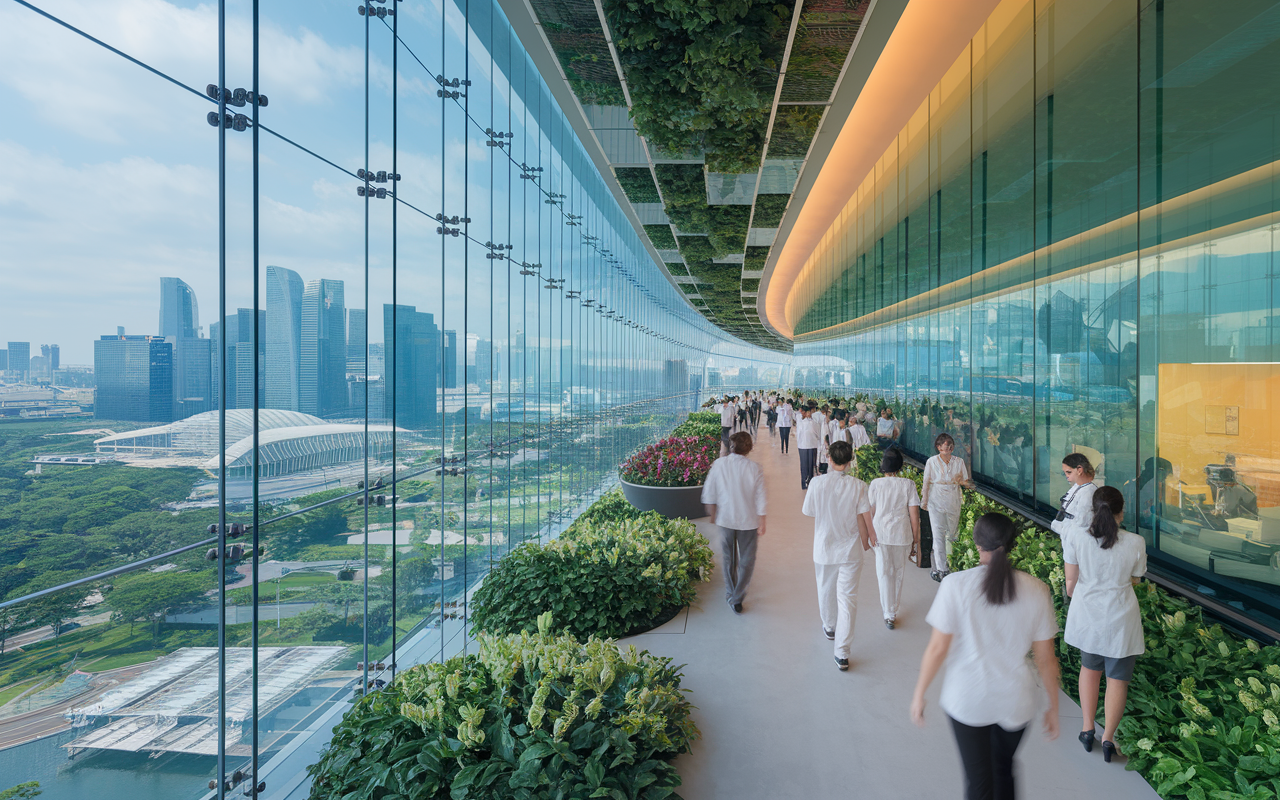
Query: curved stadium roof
[[199, 434]]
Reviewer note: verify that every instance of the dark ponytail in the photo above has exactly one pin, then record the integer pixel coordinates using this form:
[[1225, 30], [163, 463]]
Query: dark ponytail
[[995, 533], [1107, 503]]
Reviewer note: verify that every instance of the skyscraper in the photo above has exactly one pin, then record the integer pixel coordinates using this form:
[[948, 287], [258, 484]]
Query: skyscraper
[[179, 312], [323, 372], [4, 360], [238, 393], [449, 367], [52, 356], [412, 343], [20, 358], [133, 378], [284, 337], [356, 337]]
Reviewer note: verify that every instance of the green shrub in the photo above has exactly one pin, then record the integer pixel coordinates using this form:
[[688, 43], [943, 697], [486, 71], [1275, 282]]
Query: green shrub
[[699, 423], [769, 210], [603, 579], [637, 183], [793, 131], [530, 715], [661, 236], [611, 507]]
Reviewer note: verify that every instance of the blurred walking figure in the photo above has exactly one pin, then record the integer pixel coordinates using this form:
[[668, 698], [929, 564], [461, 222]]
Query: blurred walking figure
[[841, 534], [887, 429], [735, 499], [944, 476], [786, 417], [1103, 620], [985, 620], [728, 414], [771, 415], [895, 534], [808, 440]]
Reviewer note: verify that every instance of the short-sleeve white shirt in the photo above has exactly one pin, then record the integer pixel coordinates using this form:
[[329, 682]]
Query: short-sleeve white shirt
[[1104, 618], [890, 500], [808, 433], [945, 480], [728, 415], [785, 415], [834, 501], [859, 437], [735, 485], [990, 680], [1079, 503]]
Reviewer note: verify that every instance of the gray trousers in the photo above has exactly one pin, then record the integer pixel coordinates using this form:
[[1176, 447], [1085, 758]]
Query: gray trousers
[[739, 551]]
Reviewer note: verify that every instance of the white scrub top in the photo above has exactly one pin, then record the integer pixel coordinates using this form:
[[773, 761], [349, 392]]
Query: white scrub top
[[834, 501], [890, 500], [1078, 502], [989, 679], [1103, 617], [945, 481]]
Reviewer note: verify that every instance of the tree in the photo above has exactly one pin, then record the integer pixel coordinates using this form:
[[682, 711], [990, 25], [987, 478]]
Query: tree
[[22, 791], [150, 595]]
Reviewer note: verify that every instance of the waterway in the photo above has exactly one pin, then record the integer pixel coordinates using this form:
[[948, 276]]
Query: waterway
[[104, 775]]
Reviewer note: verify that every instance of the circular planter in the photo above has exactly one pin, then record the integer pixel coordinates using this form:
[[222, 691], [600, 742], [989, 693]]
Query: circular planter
[[669, 501]]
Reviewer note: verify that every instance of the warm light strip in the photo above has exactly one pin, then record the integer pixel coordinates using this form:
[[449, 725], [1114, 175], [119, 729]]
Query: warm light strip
[[929, 37], [891, 314]]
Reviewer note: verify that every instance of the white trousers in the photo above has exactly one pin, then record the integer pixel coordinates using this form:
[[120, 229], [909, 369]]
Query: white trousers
[[944, 520], [838, 600], [891, 565]]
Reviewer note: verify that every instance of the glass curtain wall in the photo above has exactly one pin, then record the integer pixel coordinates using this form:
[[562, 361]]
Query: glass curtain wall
[[1071, 247], [402, 328]]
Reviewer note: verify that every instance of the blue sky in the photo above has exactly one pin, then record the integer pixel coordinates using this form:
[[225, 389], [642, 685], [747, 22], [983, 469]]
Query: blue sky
[[112, 182]]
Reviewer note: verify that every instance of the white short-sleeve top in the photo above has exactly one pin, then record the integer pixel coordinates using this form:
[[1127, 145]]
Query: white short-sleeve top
[[885, 427], [990, 680], [945, 480], [834, 501], [1103, 618], [890, 500], [1078, 502]]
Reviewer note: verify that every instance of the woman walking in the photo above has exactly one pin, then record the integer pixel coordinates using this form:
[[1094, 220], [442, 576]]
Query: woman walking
[[887, 429], [1103, 620], [944, 476], [1076, 510], [786, 416], [895, 517], [985, 620]]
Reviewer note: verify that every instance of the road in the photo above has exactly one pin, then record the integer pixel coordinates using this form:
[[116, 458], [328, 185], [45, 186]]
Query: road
[[49, 720]]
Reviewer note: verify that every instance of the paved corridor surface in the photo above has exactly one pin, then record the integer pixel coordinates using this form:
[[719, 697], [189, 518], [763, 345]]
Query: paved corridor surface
[[779, 721]]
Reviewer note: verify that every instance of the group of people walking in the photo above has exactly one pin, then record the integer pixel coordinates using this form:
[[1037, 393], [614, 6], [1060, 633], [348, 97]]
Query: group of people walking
[[984, 620]]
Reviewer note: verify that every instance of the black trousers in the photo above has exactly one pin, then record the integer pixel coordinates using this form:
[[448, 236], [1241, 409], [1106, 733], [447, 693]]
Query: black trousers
[[808, 461], [987, 754], [785, 433]]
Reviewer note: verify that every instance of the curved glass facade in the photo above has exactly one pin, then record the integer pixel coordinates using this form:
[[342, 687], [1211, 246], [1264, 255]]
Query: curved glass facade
[[1071, 247], [371, 221]]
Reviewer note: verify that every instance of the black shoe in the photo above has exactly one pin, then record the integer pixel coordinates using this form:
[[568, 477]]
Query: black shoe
[[1108, 750], [1086, 739], [830, 634], [888, 623], [737, 608], [842, 664]]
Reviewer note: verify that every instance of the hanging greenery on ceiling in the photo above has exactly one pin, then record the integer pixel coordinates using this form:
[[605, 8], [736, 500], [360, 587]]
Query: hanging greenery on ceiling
[[637, 183], [702, 75], [826, 31], [793, 131], [661, 236], [769, 210], [574, 31]]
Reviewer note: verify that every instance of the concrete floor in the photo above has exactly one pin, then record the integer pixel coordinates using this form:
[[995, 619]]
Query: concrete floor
[[778, 720]]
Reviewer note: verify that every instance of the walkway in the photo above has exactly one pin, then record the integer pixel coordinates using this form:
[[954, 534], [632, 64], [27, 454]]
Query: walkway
[[779, 721]]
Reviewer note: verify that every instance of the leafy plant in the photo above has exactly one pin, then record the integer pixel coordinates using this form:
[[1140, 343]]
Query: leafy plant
[[661, 236], [637, 183], [531, 715], [769, 210], [699, 423], [793, 131], [611, 507], [601, 578]]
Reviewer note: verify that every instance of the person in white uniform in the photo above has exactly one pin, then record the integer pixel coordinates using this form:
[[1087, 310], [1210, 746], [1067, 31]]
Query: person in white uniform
[[1076, 509], [841, 534], [823, 416], [895, 535], [944, 476], [1103, 620], [985, 620], [808, 440], [728, 416], [786, 418], [735, 499], [887, 429]]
